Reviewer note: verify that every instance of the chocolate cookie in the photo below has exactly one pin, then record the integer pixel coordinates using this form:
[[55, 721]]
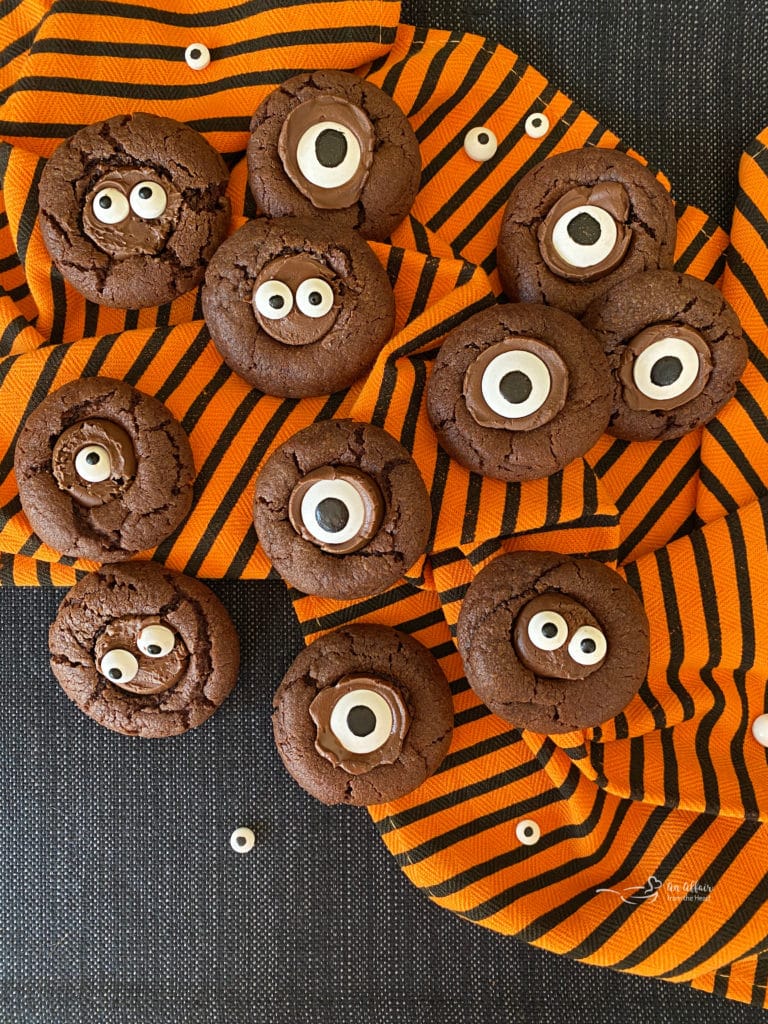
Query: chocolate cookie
[[104, 471], [675, 350], [578, 222], [363, 715], [553, 643], [132, 208], [331, 146], [297, 307], [519, 391], [341, 510], [144, 650]]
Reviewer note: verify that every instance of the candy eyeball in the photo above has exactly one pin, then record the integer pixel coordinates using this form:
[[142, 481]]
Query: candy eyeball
[[273, 300], [536, 126], [197, 56], [119, 666], [110, 206], [156, 640], [547, 630], [338, 508], [328, 154], [92, 464], [588, 645], [315, 297], [362, 721], [148, 200], [480, 144]]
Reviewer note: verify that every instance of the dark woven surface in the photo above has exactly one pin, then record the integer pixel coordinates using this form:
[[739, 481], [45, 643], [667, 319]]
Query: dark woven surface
[[120, 899]]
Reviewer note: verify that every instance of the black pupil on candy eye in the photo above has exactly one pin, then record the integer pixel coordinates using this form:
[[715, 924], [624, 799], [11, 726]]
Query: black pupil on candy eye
[[145, 192], [105, 202], [241, 840], [483, 138], [115, 673], [194, 54], [332, 515], [588, 646], [549, 629], [92, 458], [276, 301], [584, 229], [536, 122], [528, 832], [515, 386], [330, 147], [153, 648], [315, 298], [665, 371], [361, 720]]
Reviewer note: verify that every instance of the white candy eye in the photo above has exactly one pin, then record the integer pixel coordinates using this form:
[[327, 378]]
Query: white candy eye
[[585, 236], [528, 832], [588, 645], [93, 464], [480, 144], [314, 297], [328, 154], [148, 200], [119, 666], [156, 641], [361, 721], [666, 369], [197, 56], [516, 383], [333, 511], [536, 125], [242, 840], [273, 299], [547, 630], [110, 206]]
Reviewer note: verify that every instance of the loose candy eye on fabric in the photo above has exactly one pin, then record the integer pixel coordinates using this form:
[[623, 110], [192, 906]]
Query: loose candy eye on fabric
[[197, 56], [480, 144], [536, 126]]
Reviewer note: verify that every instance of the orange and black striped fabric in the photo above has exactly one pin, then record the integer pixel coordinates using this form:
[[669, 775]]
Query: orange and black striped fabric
[[653, 840]]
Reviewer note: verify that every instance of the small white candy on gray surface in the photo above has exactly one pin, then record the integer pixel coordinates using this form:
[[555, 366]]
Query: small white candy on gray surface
[[480, 144], [197, 56], [242, 840], [536, 125]]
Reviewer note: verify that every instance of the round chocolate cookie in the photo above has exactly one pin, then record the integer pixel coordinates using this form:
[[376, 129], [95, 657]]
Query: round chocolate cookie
[[104, 471], [553, 643], [341, 510], [144, 650], [580, 221], [519, 391], [331, 146], [132, 208], [675, 350], [297, 307], [363, 715]]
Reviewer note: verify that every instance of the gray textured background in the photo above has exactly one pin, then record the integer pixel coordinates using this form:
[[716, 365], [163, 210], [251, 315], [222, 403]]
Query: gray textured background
[[120, 899]]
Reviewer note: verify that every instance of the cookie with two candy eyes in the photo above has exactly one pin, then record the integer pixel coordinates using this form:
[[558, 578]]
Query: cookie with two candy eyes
[[675, 349], [341, 510], [132, 208], [518, 391], [103, 470], [363, 715], [297, 307], [551, 642], [579, 222], [143, 650], [334, 147]]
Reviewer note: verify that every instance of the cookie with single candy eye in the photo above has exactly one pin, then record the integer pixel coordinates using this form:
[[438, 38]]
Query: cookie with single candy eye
[[363, 715], [334, 147], [579, 222], [297, 307], [519, 391], [675, 349], [553, 643], [103, 470], [143, 650], [341, 510], [132, 208]]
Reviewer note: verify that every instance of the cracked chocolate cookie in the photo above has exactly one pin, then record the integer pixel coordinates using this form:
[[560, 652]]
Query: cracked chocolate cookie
[[132, 208], [675, 349], [363, 715], [103, 470], [553, 643], [143, 650], [341, 510], [297, 307], [579, 222], [519, 391], [334, 147]]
